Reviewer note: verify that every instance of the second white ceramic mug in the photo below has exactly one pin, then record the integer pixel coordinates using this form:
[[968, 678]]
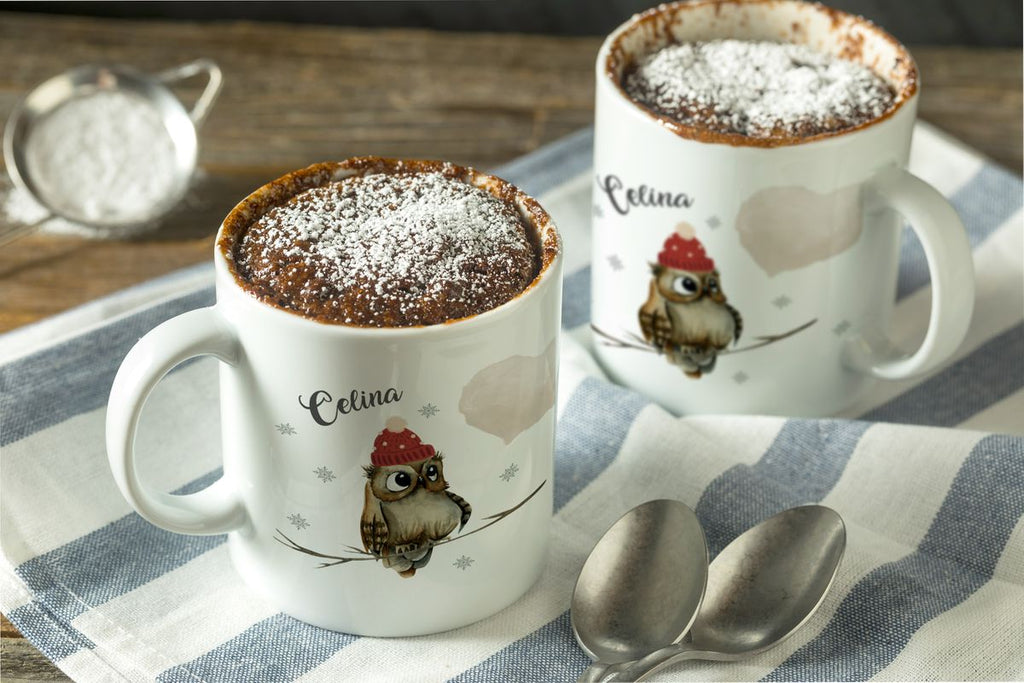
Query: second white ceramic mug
[[783, 254]]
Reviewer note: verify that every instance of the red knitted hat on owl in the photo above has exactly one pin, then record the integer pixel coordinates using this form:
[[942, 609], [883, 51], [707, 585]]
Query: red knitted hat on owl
[[683, 251], [398, 445]]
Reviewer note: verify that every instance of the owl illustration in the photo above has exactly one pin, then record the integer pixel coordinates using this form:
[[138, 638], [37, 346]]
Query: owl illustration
[[408, 507], [686, 315]]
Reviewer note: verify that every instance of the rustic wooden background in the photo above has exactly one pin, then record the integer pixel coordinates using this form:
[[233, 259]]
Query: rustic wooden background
[[297, 95]]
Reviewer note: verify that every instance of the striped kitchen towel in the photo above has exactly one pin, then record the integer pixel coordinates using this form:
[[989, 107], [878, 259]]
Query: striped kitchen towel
[[928, 475]]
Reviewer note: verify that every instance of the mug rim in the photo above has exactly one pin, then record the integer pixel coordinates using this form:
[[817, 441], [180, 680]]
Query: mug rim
[[611, 56], [281, 189]]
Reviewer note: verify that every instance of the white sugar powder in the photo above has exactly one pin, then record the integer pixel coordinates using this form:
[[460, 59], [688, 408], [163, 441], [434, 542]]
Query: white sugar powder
[[759, 89], [391, 249], [104, 157], [19, 208]]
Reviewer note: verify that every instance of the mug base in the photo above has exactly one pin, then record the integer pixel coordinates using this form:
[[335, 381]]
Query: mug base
[[811, 395], [415, 621]]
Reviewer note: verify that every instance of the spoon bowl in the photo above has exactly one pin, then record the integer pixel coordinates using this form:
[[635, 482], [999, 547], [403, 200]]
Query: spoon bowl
[[642, 584], [765, 585]]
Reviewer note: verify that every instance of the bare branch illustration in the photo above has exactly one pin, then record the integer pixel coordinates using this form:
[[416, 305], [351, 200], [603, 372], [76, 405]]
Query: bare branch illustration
[[303, 549], [613, 341], [363, 555], [495, 518], [771, 339], [634, 342]]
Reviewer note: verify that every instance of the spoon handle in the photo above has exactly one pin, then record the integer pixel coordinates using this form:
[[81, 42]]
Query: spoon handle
[[639, 669], [593, 673]]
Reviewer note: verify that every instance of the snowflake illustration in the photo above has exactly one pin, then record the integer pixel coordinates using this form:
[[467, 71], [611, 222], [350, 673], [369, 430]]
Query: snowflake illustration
[[842, 327], [713, 222], [324, 474], [740, 377], [428, 411], [463, 562], [298, 521], [615, 262], [782, 301], [509, 473], [285, 428]]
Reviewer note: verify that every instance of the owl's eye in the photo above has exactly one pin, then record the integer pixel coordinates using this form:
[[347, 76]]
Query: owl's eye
[[685, 285], [398, 481], [431, 473], [712, 284]]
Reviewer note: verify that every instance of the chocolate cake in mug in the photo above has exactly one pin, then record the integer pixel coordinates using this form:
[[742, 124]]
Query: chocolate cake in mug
[[760, 89], [399, 244]]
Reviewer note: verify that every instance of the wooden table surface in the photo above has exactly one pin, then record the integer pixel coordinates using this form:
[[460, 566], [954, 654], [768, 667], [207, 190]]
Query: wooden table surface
[[297, 95]]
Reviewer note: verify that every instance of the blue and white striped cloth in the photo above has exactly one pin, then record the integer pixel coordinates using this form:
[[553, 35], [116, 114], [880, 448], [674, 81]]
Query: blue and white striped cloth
[[928, 474]]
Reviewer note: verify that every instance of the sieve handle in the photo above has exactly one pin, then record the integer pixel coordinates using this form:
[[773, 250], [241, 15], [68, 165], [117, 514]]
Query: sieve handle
[[215, 79], [14, 232]]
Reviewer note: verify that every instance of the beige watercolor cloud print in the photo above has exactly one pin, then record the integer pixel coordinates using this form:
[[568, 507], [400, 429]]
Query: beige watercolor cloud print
[[510, 396], [786, 228]]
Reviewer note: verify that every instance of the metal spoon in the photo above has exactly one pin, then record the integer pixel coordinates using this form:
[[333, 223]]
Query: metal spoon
[[761, 588], [640, 588]]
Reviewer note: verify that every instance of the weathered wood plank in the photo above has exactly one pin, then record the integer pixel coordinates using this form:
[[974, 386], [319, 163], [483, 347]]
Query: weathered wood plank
[[19, 661]]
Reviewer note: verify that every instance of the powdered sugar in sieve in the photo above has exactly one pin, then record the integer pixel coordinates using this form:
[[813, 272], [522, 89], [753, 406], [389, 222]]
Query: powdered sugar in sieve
[[105, 157]]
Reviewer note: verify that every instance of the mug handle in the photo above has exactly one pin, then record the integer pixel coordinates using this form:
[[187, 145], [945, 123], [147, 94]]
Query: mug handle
[[214, 81], [216, 509], [950, 263]]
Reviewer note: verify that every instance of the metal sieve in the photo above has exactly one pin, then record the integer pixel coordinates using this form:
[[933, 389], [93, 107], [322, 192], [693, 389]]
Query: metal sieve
[[86, 80]]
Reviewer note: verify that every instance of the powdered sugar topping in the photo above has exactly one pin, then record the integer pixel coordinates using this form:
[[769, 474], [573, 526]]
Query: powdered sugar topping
[[389, 249], [103, 157], [758, 89]]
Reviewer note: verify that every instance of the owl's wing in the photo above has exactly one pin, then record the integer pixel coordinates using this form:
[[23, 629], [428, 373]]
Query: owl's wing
[[466, 508], [654, 322], [373, 527], [738, 319]]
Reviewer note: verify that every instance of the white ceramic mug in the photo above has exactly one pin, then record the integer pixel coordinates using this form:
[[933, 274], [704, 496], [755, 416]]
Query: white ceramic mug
[[793, 242], [309, 408]]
